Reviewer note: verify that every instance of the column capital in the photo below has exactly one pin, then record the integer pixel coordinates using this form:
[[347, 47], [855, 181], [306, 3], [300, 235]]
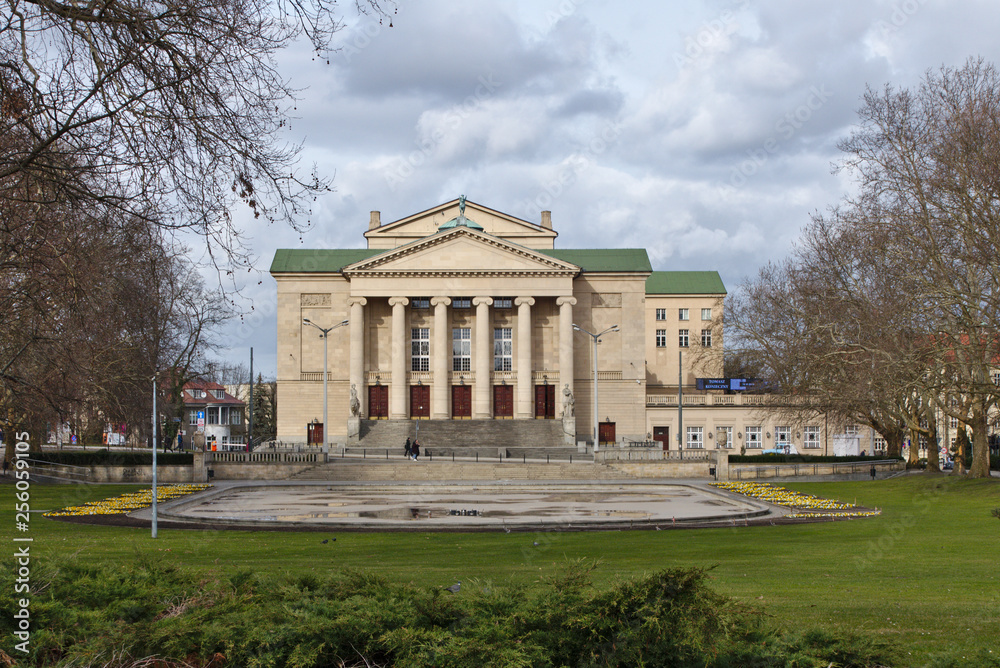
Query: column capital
[[562, 301], [398, 301], [357, 301], [521, 301], [482, 301], [436, 301]]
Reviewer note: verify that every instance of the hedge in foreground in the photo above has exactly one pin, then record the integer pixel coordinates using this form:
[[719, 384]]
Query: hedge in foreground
[[93, 615]]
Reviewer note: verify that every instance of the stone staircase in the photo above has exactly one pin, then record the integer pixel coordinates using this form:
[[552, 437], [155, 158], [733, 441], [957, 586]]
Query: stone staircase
[[399, 469], [449, 436]]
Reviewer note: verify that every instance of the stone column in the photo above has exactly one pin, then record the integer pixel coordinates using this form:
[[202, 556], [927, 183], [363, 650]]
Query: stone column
[[482, 351], [568, 401], [523, 402], [357, 334], [440, 354], [397, 390]]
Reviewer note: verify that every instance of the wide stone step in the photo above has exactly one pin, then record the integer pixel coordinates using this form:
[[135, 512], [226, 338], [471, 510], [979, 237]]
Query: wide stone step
[[402, 470], [463, 433]]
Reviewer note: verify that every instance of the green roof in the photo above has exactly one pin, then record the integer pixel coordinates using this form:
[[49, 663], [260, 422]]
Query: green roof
[[306, 260], [685, 283], [603, 259]]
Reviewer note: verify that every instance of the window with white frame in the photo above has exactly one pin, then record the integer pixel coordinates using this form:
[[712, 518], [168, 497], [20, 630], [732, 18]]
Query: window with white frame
[[811, 435], [879, 443], [192, 416], [725, 436], [420, 349], [851, 430], [212, 415], [683, 337], [661, 338], [220, 394], [706, 338], [461, 349], [754, 439], [706, 314], [953, 422], [661, 314], [683, 314], [235, 416], [995, 376], [503, 349], [695, 437], [783, 435]]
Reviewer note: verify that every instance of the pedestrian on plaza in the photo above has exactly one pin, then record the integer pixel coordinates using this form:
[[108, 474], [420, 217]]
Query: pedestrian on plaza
[[873, 472], [416, 449], [407, 450]]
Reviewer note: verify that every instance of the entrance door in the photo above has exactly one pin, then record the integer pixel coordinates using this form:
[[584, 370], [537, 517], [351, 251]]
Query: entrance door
[[545, 402], [662, 434], [503, 401], [461, 402], [314, 433], [606, 433], [378, 402], [420, 401]]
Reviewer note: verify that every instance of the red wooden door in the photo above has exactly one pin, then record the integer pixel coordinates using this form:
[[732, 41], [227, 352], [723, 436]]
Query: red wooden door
[[545, 401], [662, 434], [461, 401], [378, 402], [420, 401], [606, 432], [314, 433], [503, 401]]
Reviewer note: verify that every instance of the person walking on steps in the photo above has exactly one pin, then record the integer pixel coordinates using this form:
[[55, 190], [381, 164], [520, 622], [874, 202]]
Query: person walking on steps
[[406, 448], [416, 449]]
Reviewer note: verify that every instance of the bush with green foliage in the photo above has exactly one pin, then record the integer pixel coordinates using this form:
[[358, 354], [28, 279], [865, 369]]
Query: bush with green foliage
[[105, 457], [87, 614]]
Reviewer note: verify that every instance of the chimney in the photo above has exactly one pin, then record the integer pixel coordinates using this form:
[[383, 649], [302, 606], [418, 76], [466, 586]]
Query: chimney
[[547, 220], [375, 221]]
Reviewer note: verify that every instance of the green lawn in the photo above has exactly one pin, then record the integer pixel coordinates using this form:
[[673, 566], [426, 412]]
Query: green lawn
[[924, 573]]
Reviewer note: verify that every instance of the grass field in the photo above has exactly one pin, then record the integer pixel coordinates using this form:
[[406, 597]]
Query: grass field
[[925, 573]]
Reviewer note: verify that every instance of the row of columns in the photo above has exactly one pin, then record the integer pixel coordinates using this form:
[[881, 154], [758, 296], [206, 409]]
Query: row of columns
[[482, 344]]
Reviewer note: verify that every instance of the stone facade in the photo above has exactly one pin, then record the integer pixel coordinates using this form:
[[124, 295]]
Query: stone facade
[[470, 315]]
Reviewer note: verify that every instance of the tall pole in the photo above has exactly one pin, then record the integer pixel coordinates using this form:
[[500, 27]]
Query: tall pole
[[596, 339], [250, 408], [155, 424], [680, 401], [326, 335]]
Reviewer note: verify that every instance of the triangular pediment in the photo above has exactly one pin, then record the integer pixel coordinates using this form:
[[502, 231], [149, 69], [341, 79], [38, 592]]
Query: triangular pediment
[[461, 251], [428, 223]]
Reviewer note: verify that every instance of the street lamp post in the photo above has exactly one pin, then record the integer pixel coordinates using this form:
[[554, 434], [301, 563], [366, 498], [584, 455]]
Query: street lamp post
[[596, 338], [326, 335]]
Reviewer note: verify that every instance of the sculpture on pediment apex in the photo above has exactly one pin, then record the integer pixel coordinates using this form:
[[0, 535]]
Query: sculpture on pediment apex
[[461, 205]]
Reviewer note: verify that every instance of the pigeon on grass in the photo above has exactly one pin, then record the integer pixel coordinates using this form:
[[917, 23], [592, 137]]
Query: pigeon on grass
[[455, 587]]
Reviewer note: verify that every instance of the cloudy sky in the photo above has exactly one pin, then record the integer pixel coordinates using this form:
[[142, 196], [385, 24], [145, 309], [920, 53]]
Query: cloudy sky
[[703, 131]]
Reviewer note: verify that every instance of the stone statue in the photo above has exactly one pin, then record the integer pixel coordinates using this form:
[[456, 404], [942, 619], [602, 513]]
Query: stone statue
[[355, 403], [723, 439], [569, 402]]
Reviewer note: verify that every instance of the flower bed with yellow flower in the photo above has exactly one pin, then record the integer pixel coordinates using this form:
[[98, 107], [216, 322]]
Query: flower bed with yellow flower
[[126, 503], [805, 505]]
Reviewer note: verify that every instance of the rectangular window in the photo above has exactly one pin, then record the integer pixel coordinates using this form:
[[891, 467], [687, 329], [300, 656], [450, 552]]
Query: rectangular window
[[683, 338], [661, 314], [461, 349], [461, 302], [725, 436], [212, 415], [220, 394], [782, 435], [503, 302], [661, 338], [420, 302], [192, 418], [879, 443], [754, 437], [235, 416], [503, 349], [995, 377], [706, 338], [695, 437], [706, 314], [420, 349], [811, 437], [851, 430], [683, 314], [953, 422]]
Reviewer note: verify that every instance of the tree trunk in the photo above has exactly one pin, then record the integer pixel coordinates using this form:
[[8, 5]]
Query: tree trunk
[[933, 454], [913, 453], [980, 445]]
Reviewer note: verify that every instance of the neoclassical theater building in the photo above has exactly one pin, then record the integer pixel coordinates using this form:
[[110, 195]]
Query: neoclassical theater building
[[462, 312]]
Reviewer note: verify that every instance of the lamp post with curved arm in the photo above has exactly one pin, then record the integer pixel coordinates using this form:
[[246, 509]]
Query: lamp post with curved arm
[[596, 338], [326, 335]]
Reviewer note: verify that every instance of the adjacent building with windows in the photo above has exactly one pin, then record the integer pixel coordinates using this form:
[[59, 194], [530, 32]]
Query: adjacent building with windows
[[210, 408], [462, 312]]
